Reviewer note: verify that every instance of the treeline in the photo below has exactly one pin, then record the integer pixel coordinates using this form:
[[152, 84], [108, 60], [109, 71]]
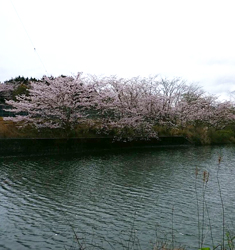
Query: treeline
[[120, 107]]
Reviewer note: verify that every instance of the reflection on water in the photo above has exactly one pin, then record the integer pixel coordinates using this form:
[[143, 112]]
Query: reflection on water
[[114, 199]]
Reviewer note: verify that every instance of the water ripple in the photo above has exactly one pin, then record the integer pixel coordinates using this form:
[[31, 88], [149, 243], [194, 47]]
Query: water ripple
[[105, 197]]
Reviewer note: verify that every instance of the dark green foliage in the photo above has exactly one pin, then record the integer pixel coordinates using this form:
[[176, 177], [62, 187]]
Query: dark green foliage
[[222, 136], [22, 89], [21, 80]]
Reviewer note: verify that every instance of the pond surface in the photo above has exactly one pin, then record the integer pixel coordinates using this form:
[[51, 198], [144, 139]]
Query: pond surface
[[126, 199]]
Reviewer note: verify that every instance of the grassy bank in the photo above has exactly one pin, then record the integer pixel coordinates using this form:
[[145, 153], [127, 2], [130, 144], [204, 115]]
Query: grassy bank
[[201, 135], [198, 135]]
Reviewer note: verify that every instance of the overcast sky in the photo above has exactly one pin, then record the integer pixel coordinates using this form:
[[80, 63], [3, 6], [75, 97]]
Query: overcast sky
[[192, 39]]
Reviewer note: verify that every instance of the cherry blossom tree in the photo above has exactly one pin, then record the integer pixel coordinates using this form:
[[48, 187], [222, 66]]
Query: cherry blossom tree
[[200, 109], [119, 107], [60, 102]]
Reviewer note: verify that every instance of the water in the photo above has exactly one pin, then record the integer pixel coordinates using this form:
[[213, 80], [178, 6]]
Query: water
[[127, 199]]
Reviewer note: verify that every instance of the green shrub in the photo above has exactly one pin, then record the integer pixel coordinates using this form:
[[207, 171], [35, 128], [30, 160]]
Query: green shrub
[[20, 90], [222, 136]]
